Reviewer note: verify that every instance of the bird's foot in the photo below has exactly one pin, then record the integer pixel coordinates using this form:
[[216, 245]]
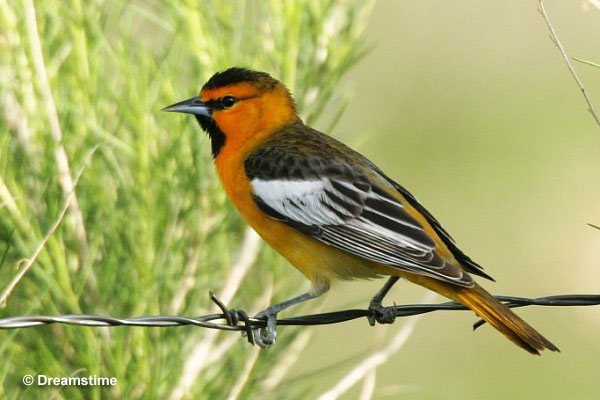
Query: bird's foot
[[380, 313], [265, 337]]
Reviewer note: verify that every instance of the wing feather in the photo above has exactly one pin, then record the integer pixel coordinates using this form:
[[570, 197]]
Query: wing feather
[[357, 217]]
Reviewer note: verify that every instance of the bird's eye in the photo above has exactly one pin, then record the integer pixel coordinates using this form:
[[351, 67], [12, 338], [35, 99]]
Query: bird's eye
[[228, 101]]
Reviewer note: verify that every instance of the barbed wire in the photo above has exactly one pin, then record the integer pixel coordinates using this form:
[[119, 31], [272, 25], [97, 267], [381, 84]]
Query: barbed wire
[[238, 320]]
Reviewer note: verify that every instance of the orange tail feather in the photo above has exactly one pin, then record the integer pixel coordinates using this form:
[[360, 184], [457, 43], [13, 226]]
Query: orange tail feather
[[503, 319]]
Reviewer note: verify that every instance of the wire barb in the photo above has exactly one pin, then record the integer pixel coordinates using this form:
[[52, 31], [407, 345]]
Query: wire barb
[[237, 320], [234, 316]]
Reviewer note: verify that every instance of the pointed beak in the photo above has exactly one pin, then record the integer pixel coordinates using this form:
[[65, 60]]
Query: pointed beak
[[190, 106]]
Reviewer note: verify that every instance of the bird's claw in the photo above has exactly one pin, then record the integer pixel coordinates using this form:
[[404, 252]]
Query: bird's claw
[[381, 314], [266, 336]]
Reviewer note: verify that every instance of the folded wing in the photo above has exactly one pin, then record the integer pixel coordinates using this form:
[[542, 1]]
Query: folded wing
[[357, 216]]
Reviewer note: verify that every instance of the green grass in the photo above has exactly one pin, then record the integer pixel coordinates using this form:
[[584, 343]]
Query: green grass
[[149, 231]]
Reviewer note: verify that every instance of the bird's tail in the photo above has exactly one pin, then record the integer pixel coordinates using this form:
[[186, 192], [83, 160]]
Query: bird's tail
[[502, 318]]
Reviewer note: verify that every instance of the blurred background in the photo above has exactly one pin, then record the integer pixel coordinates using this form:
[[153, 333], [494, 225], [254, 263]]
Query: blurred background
[[468, 105]]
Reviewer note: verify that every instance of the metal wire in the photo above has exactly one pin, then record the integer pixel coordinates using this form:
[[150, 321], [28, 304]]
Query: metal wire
[[236, 320]]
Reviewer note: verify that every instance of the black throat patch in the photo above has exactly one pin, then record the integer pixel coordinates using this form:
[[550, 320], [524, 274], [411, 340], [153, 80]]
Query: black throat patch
[[216, 135]]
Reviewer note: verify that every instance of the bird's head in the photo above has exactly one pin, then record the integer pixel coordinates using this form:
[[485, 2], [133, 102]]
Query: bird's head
[[239, 105]]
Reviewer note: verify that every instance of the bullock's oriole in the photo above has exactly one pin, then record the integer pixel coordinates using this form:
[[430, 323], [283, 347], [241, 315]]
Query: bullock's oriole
[[327, 209]]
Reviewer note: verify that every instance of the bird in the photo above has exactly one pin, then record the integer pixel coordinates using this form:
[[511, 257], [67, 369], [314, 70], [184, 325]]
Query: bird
[[331, 212]]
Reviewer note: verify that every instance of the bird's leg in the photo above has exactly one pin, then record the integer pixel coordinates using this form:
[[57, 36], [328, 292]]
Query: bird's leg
[[267, 334], [379, 313]]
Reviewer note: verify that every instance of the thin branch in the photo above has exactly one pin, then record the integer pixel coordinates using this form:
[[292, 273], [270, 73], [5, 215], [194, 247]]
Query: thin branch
[[248, 254], [368, 389], [590, 63], [280, 370], [595, 3], [29, 262], [293, 352], [241, 381], [223, 347], [558, 44]]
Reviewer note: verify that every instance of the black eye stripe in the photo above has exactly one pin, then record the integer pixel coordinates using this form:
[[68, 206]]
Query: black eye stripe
[[214, 104], [217, 104]]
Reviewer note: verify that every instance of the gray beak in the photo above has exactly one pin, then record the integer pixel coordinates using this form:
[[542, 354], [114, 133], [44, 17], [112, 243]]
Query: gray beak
[[190, 106]]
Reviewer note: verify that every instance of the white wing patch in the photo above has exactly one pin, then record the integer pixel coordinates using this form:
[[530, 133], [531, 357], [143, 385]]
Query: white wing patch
[[308, 202], [325, 202]]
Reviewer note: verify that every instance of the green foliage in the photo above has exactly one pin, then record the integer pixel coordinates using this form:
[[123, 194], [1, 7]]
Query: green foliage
[[151, 231]]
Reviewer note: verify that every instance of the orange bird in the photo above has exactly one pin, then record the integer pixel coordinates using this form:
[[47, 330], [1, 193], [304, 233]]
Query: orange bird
[[327, 209]]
